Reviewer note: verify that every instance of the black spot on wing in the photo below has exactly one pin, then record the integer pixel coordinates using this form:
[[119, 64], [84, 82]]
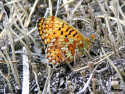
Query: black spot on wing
[[59, 29], [70, 32], [74, 34], [67, 29], [61, 32], [63, 25]]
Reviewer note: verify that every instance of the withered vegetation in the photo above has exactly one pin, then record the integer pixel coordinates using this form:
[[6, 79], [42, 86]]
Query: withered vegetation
[[23, 67]]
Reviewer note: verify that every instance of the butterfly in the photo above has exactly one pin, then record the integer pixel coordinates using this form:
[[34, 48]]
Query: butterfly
[[61, 40]]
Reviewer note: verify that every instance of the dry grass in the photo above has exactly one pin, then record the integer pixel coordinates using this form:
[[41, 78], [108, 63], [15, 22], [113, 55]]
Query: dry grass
[[102, 71]]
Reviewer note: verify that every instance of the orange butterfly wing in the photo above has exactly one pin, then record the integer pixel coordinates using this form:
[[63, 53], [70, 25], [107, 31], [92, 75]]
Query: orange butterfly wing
[[54, 27], [62, 49], [61, 39]]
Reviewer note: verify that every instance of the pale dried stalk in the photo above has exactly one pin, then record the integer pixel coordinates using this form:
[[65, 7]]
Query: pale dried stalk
[[11, 2], [99, 60], [88, 82], [120, 10], [25, 83], [101, 6], [77, 5], [92, 15], [66, 7], [22, 8], [67, 3], [14, 56], [11, 22], [112, 18], [47, 83], [31, 13], [107, 7], [7, 28], [83, 12], [50, 7], [57, 8], [28, 50], [115, 68], [39, 92], [116, 9], [102, 84], [5, 59], [12, 68], [9, 84], [111, 37]]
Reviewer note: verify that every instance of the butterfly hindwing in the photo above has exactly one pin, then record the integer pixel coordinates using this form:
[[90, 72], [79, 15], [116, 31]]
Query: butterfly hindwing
[[63, 49]]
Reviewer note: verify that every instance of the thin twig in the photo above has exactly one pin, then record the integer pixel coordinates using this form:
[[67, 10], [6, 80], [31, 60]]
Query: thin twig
[[31, 13], [115, 68], [99, 60], [88, 82], [50, 7]]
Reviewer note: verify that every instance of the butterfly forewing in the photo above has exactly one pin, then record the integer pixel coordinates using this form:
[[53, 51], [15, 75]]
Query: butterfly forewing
[[54, 27]]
